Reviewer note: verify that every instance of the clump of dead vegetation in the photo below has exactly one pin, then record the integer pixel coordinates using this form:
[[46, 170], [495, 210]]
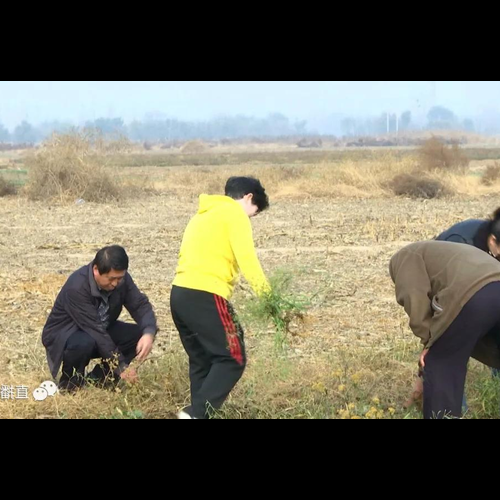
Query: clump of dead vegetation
[[418, 186], [74, 166], [6, 187], [492, 175], [434, 154]]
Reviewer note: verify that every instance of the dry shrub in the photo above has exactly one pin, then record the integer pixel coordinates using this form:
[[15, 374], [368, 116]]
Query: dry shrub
[[418, 186], [6, 187], [492, 175], [310, 143], [436, 155], [194, 147], [72, 166], [101, 144]]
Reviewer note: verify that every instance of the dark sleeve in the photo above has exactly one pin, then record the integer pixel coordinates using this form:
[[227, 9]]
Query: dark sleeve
[[78, 305], [139, 307], [456, 238]]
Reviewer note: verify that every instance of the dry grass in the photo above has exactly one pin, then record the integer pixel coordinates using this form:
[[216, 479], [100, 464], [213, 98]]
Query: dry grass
[[347, 179], [343, 179]]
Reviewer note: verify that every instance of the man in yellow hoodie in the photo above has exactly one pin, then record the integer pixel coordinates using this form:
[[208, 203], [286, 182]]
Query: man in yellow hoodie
[[217, 245]]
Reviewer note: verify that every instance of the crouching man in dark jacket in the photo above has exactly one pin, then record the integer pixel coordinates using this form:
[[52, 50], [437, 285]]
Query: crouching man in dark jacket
[[83, 324]]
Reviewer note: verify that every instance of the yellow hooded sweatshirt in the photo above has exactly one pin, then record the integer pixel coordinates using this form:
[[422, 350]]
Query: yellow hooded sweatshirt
[[217, 245]]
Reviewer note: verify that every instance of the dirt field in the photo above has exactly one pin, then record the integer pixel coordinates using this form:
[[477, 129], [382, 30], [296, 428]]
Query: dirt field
[[353, 356]]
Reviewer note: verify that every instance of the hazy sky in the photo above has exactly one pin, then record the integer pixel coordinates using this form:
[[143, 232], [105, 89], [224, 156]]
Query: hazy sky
[[78, 101]]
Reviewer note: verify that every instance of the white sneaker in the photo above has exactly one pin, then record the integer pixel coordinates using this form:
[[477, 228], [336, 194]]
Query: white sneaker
[[182, 415]]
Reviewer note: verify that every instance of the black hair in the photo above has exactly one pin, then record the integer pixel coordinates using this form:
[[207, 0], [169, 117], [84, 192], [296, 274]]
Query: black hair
[[113, 257], [238, 187]]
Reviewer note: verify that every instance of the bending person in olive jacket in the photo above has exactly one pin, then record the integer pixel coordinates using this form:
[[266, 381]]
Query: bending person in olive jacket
[[451, 294]]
